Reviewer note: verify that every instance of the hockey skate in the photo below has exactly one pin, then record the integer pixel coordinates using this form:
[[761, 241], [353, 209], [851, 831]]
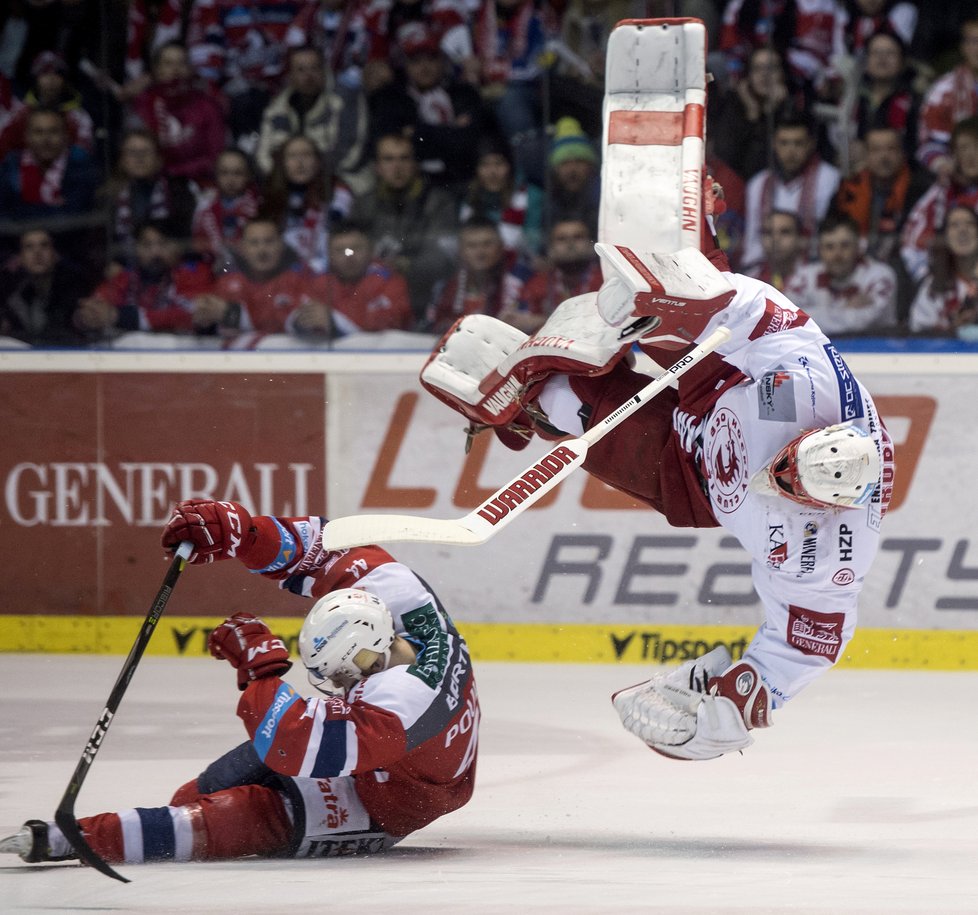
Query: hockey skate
[[33, 844]]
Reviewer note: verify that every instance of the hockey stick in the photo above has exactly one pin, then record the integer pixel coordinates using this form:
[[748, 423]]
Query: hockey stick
[[64, 816], [516, 496]]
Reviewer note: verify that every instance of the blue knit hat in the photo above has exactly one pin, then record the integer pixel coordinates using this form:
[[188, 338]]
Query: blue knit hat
[[570, 143]]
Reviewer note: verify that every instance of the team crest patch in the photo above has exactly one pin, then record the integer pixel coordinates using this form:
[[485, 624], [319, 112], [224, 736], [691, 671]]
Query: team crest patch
[[815, 633], [726, 461]]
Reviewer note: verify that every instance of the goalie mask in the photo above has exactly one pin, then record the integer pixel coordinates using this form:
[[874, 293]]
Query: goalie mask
[[838, 466], [663, 300], [340, 626]]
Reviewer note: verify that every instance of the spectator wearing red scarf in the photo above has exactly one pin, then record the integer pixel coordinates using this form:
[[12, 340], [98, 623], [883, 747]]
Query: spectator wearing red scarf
[[188, 120]]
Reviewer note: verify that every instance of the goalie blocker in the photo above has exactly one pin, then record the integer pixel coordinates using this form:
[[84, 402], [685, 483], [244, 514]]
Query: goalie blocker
[[491, 373]]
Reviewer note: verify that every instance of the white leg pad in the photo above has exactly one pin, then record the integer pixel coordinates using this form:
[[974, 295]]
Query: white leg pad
[[653, 140]]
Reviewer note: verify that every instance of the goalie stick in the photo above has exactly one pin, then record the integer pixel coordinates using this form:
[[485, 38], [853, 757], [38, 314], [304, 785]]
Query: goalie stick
[[64, 816], [516, 496]]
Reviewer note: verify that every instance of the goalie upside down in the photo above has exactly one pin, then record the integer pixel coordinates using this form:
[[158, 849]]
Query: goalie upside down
[[771, 437]]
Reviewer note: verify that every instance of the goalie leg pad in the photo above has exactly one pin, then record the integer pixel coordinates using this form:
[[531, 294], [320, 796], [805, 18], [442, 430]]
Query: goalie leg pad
[[653, 145]]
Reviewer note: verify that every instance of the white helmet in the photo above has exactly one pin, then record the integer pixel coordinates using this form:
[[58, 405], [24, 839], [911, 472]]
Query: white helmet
[[340, 626], [835, 466]]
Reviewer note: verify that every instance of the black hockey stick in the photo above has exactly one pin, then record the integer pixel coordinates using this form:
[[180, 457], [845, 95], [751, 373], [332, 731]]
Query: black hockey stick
[[64, 816]]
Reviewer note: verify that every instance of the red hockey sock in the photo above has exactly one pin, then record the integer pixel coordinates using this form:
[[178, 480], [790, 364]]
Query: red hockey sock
[[248, 820]]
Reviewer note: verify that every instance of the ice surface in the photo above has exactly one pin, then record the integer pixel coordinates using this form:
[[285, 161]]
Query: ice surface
[[862, 798]]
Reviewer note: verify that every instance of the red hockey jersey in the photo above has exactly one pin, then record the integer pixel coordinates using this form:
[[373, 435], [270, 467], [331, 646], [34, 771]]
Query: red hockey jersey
[[408, 735]]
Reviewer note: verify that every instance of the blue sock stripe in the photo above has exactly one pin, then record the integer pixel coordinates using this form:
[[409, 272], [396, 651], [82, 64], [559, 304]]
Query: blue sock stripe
[[159, 841], [331, 758]]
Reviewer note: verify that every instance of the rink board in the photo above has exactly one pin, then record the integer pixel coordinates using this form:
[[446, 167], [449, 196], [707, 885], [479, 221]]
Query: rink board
[[89, 478], [573, 643]]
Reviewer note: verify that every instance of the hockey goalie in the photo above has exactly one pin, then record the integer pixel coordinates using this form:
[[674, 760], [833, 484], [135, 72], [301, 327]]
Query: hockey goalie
[[771, 437]]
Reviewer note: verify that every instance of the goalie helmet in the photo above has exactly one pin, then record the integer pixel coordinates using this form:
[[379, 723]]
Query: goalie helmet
[[831, 467], [340, 626]]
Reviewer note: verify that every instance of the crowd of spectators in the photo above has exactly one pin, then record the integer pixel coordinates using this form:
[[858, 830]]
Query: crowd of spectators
[[223, 173]]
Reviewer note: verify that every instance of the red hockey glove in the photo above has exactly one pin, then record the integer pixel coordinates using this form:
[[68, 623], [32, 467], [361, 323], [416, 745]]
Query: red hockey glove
[[248, 645], [218, 530]]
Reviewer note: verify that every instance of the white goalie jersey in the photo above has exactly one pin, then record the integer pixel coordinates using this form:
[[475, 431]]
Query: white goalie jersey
[[808, 564]]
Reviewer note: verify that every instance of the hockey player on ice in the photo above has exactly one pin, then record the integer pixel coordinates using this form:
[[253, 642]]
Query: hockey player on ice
[[771, 437], [390, 747]]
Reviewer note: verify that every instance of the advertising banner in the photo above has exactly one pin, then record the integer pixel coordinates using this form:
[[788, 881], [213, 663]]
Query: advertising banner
[[91, 465], [91, 462]]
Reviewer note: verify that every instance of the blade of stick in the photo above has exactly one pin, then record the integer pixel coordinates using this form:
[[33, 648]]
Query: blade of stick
[[64, 816], [516, 496], [478, 525]]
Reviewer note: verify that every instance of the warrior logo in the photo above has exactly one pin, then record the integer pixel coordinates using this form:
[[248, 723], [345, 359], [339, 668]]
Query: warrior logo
[[726, 461]]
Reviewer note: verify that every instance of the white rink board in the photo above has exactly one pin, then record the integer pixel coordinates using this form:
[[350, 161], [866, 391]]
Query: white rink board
[[391, 447], [924, 575], [840, 807]]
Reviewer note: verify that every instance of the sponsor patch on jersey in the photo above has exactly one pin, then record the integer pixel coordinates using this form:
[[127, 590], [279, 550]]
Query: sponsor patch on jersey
[[777, 546], [777, 318], [285, 698], [844, 577], [845, 543], [725, 460], [776, 397], [850, 396], [809, 548], [815, 633]]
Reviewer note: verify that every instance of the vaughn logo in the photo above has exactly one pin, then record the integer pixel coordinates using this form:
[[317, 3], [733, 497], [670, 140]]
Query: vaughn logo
[[525, 486], [502, 397]]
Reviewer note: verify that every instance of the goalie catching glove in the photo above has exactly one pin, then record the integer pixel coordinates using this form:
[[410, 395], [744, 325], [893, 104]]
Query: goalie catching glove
[[247, 644], [701, 710]]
